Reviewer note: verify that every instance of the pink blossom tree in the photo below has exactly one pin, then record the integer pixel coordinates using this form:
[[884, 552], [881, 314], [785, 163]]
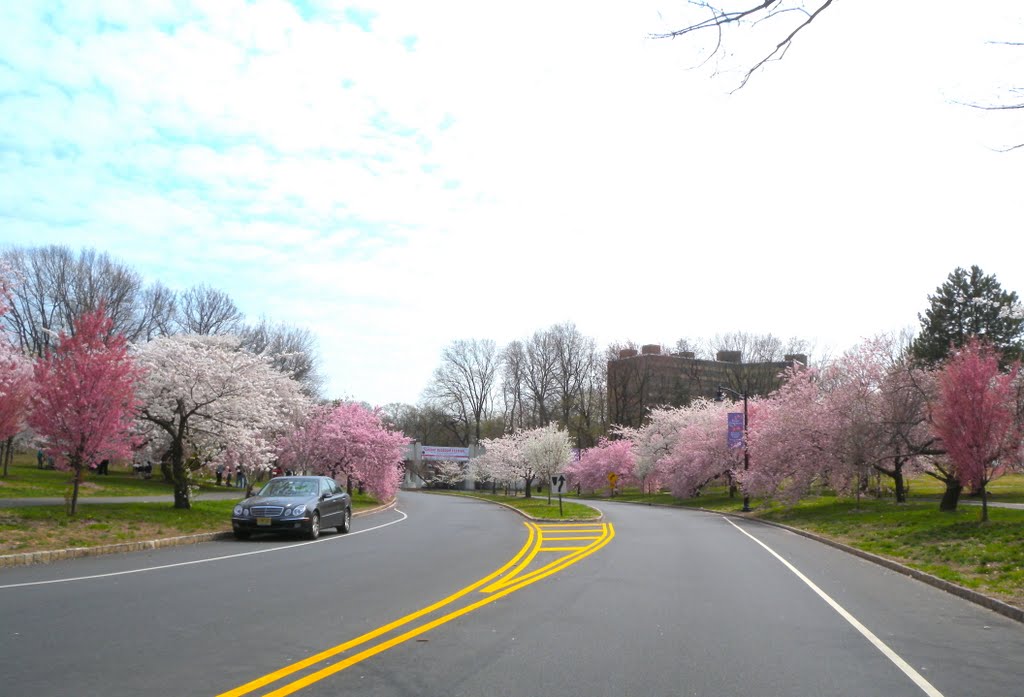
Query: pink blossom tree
[[348, 442], [976, 416], [85, 403], [699, 452], [792, 440], [595, 464]]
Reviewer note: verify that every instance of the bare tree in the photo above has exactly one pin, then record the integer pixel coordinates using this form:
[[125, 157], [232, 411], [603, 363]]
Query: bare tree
[[291, 350], [56, 287], [518, 410], [158, 307], [718, 18], [464, 383], [205, 310], [541, 373], [783, 20]]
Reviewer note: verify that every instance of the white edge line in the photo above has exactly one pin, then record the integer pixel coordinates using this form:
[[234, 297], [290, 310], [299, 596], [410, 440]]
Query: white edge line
[[203, 561], [918, 679]]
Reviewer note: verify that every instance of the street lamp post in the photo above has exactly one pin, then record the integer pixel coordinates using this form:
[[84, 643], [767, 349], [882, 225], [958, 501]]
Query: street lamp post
[[719, 396]]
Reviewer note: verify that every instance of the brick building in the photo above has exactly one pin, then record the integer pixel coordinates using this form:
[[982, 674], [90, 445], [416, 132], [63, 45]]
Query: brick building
[[639, 381]]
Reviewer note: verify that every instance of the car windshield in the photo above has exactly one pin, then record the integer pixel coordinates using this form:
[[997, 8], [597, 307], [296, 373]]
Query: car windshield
[[289, 487]]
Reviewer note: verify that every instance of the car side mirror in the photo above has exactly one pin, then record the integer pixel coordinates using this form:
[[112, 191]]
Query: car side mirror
[[324, 496]]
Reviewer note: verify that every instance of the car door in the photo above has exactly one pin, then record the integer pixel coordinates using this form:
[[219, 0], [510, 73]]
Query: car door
[[332, 506]]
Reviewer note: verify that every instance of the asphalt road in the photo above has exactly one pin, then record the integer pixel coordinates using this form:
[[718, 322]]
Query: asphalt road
[[651, 602]]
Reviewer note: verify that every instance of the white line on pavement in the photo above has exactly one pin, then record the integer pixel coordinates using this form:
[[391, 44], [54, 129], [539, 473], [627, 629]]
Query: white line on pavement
[[918, 679], [203, 561]]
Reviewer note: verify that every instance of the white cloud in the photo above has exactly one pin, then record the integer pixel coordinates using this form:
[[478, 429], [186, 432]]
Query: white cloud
[[519, 166]]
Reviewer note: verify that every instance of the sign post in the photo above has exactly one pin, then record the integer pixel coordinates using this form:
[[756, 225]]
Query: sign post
[[558, 485]]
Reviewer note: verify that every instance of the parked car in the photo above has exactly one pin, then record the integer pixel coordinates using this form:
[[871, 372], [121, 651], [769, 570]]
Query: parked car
[[298, 505]]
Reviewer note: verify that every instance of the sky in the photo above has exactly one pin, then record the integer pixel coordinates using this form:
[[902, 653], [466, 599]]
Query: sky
[[398, 175]]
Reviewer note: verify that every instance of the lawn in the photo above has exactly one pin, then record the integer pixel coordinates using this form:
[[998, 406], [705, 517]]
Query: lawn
[[37, 528], [536, 506]]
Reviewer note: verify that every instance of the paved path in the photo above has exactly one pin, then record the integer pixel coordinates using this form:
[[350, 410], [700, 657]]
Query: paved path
[[235, 494]]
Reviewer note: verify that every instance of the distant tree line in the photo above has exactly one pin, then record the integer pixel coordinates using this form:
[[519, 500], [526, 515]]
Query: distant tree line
[[53, 286]]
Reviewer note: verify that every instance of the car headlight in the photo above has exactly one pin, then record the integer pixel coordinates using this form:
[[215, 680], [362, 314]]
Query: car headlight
[[298, 510], [239, 511]]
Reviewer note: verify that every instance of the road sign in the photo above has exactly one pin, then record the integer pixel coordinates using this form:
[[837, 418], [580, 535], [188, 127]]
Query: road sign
[[558, 484]]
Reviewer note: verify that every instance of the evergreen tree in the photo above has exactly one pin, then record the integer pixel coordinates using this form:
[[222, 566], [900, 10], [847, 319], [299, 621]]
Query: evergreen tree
[[970, 304]]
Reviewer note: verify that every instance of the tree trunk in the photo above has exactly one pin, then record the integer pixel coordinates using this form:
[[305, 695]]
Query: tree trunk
[[5, 453], [529, 485], [76, 480], [951, 496], [180, 476], [897, 480]]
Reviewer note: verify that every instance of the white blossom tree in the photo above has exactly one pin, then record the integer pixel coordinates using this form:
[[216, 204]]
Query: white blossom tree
[[547, 451], [448, 474], [206, 401]]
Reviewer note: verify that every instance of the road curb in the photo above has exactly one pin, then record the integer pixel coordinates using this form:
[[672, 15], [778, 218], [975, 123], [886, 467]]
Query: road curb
[[52, 555], [526, 515], [998, 606]]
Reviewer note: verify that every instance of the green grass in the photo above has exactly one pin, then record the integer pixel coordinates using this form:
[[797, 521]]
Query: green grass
[[536, 506], [25, 480], [957, 547], [36, 528]]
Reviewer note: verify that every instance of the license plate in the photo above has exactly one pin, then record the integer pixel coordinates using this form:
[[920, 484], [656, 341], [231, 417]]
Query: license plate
[[263, 521]]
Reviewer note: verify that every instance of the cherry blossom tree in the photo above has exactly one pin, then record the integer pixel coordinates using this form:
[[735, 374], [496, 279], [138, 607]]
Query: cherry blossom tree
[[791, 440], [547, 451], [16, 381], [348, 442], [595, 464], [448, 474], [976, 416], [504, 460], [85, 402], [698, 451], [499, 463], [16, 387], [203, 396]]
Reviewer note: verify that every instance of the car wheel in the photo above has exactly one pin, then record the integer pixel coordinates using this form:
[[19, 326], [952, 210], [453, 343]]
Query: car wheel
[[346, 522], [242, 534], [314, 526]]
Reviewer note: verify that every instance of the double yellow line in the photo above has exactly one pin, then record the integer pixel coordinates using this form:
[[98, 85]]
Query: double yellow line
[[494, 586]]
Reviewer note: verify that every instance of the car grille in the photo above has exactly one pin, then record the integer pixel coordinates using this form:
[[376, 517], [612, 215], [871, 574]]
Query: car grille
[[266, 511]]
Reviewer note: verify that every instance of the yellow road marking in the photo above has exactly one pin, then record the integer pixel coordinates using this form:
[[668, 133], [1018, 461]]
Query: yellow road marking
[[574, 537], [412, 633], [509, 584], [560, 549], [323, 655]]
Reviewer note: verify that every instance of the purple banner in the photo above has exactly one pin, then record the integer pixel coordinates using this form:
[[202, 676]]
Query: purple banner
[[735, 436]]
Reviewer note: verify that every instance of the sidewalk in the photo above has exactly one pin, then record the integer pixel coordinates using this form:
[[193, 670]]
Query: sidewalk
[[229, 495]]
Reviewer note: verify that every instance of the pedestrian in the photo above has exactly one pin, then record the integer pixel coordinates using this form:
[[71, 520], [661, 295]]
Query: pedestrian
[[104, 467], [39, 458], [229, 477], [220, 474], [240, 478]]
